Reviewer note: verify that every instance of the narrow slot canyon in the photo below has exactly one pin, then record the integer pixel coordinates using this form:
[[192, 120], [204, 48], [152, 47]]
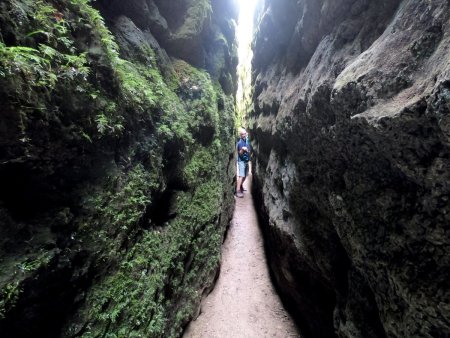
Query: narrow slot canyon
[[122, 149], [244, 303]]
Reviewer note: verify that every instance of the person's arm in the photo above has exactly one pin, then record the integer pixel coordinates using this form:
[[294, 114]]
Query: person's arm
[[241, 149]]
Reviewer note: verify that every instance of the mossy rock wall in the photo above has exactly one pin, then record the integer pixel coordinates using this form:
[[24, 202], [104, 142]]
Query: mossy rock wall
[[115, 167]]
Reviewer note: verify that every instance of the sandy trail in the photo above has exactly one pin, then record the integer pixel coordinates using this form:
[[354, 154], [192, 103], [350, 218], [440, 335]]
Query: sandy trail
[[244, 303]]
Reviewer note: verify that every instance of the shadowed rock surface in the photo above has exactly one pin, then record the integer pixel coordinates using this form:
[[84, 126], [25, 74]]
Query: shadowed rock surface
[[116, 144], [351, 131]]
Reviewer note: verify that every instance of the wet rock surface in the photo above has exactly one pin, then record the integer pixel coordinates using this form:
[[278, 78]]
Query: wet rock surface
[[351, 136]]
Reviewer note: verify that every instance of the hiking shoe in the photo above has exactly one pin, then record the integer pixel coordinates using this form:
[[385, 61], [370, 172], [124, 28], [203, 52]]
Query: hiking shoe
[[239, 194]]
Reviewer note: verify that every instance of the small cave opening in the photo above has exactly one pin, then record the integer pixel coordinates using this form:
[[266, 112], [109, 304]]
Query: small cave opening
[[161, 210], [25, 191]]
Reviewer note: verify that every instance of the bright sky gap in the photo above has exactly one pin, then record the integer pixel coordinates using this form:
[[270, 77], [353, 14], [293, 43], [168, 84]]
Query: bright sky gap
[[244, 37]]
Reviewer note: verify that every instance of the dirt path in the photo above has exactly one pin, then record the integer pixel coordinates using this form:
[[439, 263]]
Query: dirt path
[[244, 303]]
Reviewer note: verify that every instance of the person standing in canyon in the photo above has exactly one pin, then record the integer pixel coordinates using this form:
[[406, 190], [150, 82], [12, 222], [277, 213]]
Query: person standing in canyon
[[243, 151]]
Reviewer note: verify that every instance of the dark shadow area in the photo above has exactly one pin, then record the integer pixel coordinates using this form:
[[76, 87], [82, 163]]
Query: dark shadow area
[[25, 192], [305, 295], [53, 294]]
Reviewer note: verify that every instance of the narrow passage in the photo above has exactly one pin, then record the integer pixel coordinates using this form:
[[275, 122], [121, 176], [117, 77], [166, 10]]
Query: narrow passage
[[244, 303]]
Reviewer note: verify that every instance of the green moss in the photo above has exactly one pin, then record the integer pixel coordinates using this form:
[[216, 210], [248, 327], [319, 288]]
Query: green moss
[[135, 84], [8, 297], [199, 167], [189, 105], [42, 67], [90, 17], [195, 19], [12, 288], [201, 207], [44, 64], [122, 202], [131, 294], [132, 132], [153, 276], [31, 264], [198, 104]]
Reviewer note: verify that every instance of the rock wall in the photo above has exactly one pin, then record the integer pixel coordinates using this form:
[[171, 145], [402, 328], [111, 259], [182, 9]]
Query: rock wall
[[351, 131], [116, 144]]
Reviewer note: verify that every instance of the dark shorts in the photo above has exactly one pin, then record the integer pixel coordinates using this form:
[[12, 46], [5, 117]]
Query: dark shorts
[[243, 169]]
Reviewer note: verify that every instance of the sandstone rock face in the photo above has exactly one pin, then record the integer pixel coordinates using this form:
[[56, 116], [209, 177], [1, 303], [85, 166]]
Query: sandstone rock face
[[351, 130], [116, 152], [201, 32]]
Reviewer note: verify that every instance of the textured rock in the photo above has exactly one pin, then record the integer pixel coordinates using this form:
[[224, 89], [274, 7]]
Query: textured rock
[[201, 32], [351, 135], [115, 165]]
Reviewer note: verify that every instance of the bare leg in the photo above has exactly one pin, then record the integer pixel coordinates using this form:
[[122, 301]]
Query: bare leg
[[247, 172], [242, 183], [238, 183]]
